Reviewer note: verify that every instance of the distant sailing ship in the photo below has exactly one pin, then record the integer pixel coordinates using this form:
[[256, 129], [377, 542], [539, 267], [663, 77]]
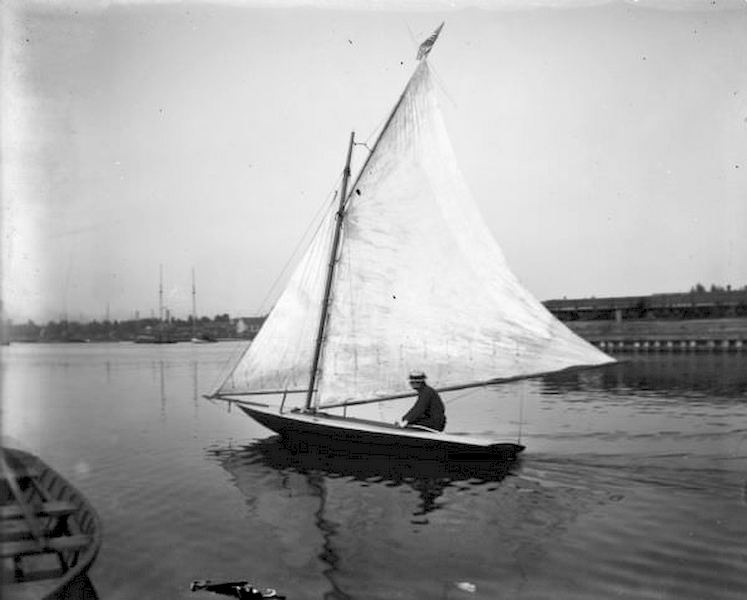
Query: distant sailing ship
[[160, 335], [403, 275], [4, 330], [198, 337]]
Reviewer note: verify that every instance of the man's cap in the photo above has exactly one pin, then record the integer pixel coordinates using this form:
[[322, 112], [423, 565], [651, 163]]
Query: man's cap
[[417, 376]]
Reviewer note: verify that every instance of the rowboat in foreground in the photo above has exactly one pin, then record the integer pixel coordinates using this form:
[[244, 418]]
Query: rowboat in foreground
[[49, 533], [402, 275]]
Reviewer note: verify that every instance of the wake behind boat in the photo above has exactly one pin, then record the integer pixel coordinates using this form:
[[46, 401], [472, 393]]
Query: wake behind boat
[[402, 275]]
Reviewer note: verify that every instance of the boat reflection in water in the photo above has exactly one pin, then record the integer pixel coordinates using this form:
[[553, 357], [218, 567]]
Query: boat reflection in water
[[428, 478], [352, 504]]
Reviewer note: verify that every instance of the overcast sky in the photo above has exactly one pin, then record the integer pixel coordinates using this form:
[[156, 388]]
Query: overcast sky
[[605, 142]]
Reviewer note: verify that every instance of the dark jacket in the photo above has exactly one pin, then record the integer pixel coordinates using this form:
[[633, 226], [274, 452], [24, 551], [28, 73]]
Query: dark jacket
[[428, 410]]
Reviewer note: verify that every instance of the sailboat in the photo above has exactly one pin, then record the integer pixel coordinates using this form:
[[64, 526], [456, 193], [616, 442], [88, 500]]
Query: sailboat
[[4, 333], [402, 275], [161, 336]]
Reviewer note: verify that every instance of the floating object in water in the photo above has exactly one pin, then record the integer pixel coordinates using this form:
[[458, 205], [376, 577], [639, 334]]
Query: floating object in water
[[466, 586], [236, 589]]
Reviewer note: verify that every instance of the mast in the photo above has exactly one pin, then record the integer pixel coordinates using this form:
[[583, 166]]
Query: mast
[[194, 305], [160, 302], [330, 273]]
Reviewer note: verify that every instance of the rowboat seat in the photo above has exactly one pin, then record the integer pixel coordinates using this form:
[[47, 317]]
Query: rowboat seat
[[22, 471], [47, 509], [12, 530], [57, 544]]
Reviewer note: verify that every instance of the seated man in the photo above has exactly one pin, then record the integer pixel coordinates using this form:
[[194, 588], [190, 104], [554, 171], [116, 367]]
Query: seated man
[[428, 411]]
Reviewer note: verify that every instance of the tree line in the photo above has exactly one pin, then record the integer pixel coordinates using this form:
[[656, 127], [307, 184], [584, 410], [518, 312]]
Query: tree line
[[699, 288], [221, 326]]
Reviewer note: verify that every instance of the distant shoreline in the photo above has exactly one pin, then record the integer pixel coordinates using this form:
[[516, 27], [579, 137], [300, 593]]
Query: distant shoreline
[[697, 320]]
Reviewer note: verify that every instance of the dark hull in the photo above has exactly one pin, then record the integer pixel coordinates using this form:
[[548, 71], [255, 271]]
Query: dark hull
[[337, 433], [155, 341]]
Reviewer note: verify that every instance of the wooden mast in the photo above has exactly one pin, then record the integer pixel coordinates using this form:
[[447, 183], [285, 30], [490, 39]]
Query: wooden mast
[[194, 306], [160, 303], [330, 273]]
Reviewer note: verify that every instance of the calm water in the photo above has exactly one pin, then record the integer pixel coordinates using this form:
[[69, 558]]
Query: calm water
[[633, 485]]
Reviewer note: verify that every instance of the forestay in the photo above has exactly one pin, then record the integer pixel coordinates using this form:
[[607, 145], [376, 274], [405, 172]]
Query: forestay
[[420, 284], [279, 358]]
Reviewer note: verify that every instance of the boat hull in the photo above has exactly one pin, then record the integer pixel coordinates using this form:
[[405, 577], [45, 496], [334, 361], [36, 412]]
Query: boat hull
[[335, 433]]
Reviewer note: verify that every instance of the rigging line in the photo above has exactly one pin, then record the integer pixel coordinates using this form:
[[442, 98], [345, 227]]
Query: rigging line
[[226, 368], [412, 35], [463, 395], [239, 353], [375, 130], [303, 239], [521, 413], [442, 87]]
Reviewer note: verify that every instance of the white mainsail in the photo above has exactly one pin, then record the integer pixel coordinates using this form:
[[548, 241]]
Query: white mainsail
[[420, 283]]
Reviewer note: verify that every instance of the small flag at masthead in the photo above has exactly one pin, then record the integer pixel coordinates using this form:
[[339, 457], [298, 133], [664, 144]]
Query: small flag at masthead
[[426, 46]]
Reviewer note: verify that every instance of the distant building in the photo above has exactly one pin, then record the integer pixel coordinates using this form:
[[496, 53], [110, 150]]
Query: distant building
[[249, 326], [693, 322], [693, 305]]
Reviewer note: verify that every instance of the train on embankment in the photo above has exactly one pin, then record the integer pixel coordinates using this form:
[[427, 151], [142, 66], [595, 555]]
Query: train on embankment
[[698, 321]]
